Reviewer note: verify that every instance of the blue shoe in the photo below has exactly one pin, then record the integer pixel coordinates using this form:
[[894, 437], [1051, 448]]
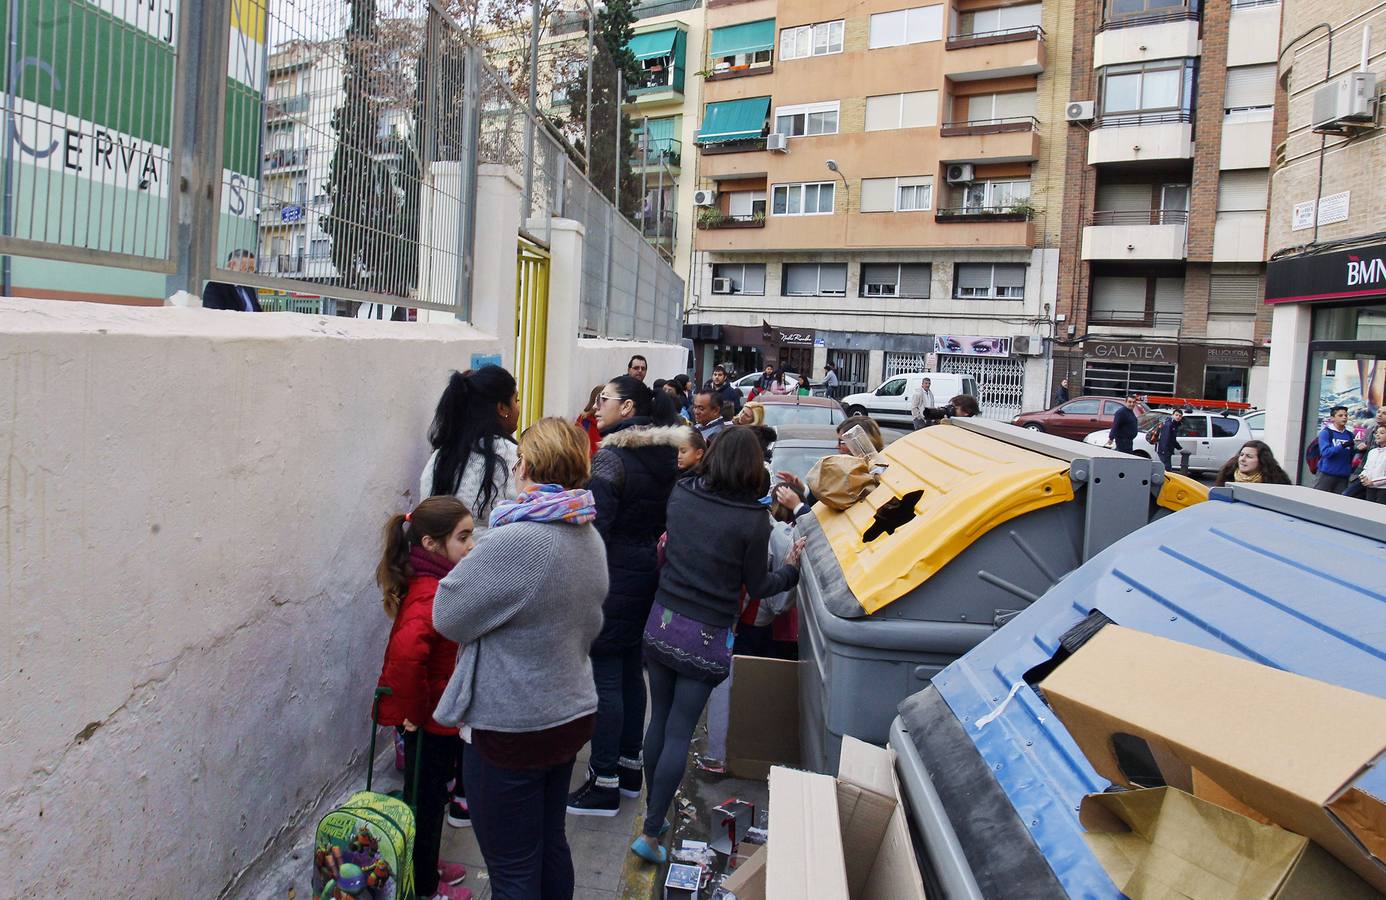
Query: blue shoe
[[658, 855], [664, 829]]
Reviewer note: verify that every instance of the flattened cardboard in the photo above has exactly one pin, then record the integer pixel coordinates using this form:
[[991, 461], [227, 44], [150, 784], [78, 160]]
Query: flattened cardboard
[[763, 729], [1283, 745], [748, 881], [1164, 843], [805, 848]]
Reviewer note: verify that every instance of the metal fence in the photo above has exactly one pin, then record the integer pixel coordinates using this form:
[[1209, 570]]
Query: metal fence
[[336, 156]]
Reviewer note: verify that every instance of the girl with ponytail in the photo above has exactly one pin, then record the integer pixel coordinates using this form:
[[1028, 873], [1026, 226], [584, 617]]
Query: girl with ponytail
[[420, 548], [473, 441]]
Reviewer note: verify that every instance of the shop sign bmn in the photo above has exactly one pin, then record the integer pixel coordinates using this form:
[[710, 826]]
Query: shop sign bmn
[[1365, 271]]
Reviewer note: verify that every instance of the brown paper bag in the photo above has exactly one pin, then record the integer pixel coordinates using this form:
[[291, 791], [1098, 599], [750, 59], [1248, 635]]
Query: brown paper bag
[[838, 481]]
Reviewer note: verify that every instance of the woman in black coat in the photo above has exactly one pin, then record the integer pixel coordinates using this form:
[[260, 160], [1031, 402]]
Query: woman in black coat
[[632, 475]]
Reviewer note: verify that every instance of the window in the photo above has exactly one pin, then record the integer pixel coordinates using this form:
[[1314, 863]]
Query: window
[[321, 248], [916, 109], [814, 280], [1001, 107], [745, 204], [746, 45], [812, 199], [1081, 408], [907, 193], [989, 281], [811, 40], [1225, 427], [1124, 9], [745, 278], [995, 196], [807, 119], [1249, 88], [1003, 20], [1243, 190], [909, 280], [1234, 294], [895, 387], [907, 26], [1136, 300], [1154, 87]]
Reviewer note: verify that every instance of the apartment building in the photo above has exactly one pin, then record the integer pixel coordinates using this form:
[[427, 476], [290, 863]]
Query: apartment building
[[880, 188], [1169, 154], [1326, 279]]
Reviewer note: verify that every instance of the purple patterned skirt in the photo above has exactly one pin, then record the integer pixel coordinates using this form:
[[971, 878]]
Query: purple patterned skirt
[[690, 648]]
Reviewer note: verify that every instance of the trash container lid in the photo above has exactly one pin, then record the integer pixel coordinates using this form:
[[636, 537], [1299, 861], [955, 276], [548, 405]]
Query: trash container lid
[[968, 482], [1180, 492]]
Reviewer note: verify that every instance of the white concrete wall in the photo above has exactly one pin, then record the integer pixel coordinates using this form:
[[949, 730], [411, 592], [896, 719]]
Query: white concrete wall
[[1253, 35], [1140, 143], [1291, 324], [192, 504], [1135, 242], [1141, 43], [1239, 236], [1246, 143]]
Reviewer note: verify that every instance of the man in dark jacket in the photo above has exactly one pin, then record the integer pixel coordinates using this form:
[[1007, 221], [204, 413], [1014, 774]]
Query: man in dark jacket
[[1124, 427], [1061, 395], [1168, 439], [726, 391], [236, 297], [1336, 450]]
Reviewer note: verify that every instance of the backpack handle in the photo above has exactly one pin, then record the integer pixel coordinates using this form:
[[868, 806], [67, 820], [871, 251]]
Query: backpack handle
[[370, 757]]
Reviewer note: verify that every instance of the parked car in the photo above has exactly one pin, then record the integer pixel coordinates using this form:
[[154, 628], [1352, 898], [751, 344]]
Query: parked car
[[891, 401], [1074, 418], [1256, 421], [745, 383], [798, 447], [791, 409], [1211, 439]]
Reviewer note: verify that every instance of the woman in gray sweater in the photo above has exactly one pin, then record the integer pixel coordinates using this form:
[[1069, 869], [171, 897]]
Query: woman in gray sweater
[[524, 607]]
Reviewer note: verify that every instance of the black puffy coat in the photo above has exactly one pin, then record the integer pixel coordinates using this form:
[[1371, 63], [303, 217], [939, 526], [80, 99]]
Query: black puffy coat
[[632, 475]]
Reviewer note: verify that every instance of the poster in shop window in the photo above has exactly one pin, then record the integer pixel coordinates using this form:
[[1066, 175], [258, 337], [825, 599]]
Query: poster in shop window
[[972, 345], [1358, 384]]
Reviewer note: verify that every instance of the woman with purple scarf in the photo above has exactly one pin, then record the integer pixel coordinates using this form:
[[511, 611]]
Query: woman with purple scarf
[[524, 609]]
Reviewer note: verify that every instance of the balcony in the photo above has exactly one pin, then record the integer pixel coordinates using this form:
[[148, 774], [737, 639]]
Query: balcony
[[710, 219], [287, 106], [1142, 234], [1153, 16], [995, 54], [1019, 212], [1013, 139], [1141, 137], [666, 153], [725, 72], [657, 84], [1143, 39], [660, 229], [286, 159], [1122, 318]]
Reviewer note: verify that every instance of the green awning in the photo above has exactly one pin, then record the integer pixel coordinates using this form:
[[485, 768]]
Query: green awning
[[653, 44], [734, 120], [748, 37]]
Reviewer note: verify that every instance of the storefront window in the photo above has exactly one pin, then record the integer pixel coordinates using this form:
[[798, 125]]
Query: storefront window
[[1225, 383], [1350, 323]]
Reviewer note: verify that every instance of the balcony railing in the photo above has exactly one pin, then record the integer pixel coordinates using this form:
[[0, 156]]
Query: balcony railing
[[1134, 317], [717, 74], [1117, 120], [990, 126], [1132, 20], [1139, 217], [711, 220], [998, 36], [662, 227], [747, 146], [288, 106], [1014, 213], [289, 262], [659, 152], [654, 80], [286, 159]]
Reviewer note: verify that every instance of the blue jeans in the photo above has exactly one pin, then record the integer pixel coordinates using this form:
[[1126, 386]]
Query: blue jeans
[[620, 681], [518, 818]]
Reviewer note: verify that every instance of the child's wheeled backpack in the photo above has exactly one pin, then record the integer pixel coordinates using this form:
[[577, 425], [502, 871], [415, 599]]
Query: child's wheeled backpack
[[364, 849]]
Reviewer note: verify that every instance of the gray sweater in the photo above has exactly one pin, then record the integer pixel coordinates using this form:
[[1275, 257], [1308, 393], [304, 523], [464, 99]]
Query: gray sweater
[[525, 606]]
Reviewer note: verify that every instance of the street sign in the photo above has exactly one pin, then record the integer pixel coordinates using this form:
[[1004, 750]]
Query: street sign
[[291, 214]]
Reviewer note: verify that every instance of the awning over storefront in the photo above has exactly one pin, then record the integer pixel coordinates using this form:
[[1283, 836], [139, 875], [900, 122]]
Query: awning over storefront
[[653, 44], [748, 37], [734, 120]]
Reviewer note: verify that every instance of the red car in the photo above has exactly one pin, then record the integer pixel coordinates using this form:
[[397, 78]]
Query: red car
[[1076, 418]]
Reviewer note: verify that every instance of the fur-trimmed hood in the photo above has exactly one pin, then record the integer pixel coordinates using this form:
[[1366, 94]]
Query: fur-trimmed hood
[[637, 436]]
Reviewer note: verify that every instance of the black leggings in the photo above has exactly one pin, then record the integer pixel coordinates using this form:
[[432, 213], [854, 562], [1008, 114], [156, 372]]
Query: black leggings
[[441, 754], [676, 704]]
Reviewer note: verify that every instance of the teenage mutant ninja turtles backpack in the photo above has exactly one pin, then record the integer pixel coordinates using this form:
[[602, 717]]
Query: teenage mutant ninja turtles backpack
[[364, 849]]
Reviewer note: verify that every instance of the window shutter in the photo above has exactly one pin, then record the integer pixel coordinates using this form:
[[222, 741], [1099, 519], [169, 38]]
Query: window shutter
[[880, 273], [981, 107], [1020, 103], [920, 109], [974, 275], [883, 112], [1169, 295], [924, 23], [1020, 16], [1234, 295], [914, 280], [1243, 190], [1249, 86], [878, 195], [1010, 275], [800, 278], [753, 282], [888, 29], [832, 278], [1121, 298], [1123, 197]]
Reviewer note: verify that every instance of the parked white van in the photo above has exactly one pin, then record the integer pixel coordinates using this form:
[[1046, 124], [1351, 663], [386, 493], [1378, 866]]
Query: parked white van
[[891, 401]]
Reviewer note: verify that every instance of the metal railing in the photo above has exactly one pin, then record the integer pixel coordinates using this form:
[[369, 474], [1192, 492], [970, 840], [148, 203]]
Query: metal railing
[[712, 219], [286, 159], [1015, 212], [1139, 217], [1146, 318], [288, 106], [661, 227], [1001, 124], [659, 152], [1020, 32], [532, 331], [1132, 20], [1117, 120], [667, 78]]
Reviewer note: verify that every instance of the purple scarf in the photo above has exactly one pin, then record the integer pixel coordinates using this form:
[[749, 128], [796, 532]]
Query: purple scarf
[[547, 503], [429, 564]]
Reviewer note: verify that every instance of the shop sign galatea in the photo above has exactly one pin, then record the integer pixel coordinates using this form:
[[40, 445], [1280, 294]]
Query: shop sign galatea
[[1124, 351]]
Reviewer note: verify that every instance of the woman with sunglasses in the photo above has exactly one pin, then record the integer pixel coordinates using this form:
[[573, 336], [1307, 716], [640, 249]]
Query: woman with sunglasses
[[632, 475]]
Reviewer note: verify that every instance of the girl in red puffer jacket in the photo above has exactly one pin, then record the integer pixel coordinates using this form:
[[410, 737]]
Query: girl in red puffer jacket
[[420, 549]]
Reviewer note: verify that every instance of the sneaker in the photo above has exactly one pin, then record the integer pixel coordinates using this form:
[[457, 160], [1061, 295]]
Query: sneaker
[[451, 892], [709, 765], [451, 873], [459, 816], [596, 797], [631, 775], [649, 851]]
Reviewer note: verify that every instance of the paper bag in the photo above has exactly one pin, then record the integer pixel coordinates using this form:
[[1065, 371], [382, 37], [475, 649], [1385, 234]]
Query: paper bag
[[838, 481]]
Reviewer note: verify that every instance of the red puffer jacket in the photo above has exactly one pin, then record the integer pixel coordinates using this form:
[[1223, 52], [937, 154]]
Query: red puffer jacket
[[418, 660]]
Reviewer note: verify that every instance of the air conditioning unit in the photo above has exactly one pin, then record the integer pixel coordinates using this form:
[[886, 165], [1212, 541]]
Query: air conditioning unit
[[1080, 111], [704, 198], [1346, 102], [961, 173], [777, 142], [1027, 345], [721, 286]]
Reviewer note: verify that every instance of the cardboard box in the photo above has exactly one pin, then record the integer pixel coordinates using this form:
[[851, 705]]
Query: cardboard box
[[844, 837], [748, 881], [1290, 748], [731, 819], [763, 728], [1164, 843]]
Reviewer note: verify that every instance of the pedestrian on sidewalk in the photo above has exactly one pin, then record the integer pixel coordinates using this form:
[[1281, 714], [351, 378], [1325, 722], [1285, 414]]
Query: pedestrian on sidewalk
[[719, 539], [1336, 450], [632, 475], [707, 414], [1167, 441], [473, 441], [1373, 475], [524, 608], [1125, 426], [420, 548], [587, 420], [725, 391], [920, 400], [1253, 464]]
